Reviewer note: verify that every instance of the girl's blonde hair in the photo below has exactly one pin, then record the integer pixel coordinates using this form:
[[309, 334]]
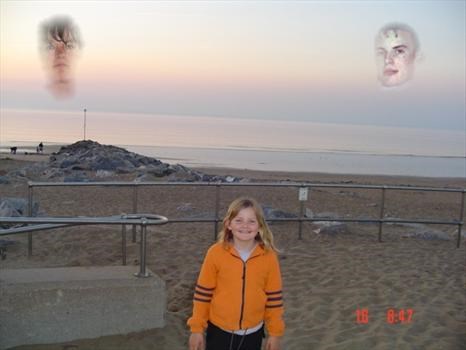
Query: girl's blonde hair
[[264, 236]]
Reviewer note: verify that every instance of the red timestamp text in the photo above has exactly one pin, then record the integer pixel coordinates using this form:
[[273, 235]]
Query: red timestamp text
[[395, 316], [392, 316]]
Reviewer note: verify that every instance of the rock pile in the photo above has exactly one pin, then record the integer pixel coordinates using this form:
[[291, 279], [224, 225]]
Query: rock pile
[[424, 232], [14, 207], [91, 156], [87, 160], [272, 213]]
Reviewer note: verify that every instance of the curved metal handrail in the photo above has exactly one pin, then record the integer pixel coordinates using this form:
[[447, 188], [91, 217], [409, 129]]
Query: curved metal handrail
[[29, 228], [45, 223], [125, 219]]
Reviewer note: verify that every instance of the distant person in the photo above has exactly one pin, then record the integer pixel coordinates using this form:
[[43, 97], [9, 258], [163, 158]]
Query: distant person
[[60, 41], [40, 148], [13, 150], [396, 49], [239, 288]]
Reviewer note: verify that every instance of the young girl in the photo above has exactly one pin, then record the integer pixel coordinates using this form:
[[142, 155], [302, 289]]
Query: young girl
[[239, 288]]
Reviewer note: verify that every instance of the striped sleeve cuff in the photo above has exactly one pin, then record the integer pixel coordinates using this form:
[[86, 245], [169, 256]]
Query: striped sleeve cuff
[[274, 299], [203, 294]]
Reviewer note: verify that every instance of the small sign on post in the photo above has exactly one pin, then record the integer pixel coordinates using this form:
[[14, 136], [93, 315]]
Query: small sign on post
[[303, 191]]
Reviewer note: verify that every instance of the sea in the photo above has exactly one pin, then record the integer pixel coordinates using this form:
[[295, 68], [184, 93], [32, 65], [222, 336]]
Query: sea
[[269, 145]]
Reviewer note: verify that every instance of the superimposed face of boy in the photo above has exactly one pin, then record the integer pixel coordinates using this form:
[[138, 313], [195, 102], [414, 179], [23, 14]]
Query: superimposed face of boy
[[395, 56], [60, 56]]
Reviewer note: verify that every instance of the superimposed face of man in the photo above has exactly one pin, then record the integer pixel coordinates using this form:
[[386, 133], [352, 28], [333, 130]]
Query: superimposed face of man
[[60, 56], [395, 55]]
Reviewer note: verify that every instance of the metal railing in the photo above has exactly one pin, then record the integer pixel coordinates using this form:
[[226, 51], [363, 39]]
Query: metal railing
[[298, 185], [44, 223], [47, 223]]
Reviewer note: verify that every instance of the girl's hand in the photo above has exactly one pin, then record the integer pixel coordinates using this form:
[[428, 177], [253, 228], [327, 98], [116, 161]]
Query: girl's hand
[[196, 341], [273, 343]]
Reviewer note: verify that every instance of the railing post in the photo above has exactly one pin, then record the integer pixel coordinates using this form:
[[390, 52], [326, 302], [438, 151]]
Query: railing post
[[123, 240], [142, 263], [301, 213], [30, 199], [217, 205], [302, 197], [382, 212], [460, 225], [135, 208]]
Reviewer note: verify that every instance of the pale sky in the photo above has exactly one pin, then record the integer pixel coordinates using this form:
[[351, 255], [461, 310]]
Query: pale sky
[[278, 60]]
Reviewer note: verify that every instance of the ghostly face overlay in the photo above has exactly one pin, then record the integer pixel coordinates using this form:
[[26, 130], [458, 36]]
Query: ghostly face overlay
[[395, 56], [60, 57]]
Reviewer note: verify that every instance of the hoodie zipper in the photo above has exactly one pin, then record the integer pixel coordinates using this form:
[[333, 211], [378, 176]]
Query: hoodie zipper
[[242, 294], [243, 288]]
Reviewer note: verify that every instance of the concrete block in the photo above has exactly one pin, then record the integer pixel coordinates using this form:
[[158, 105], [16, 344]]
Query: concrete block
[[53, 305]]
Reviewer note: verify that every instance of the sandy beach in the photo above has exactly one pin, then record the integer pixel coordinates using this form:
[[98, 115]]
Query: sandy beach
[[327, 277]]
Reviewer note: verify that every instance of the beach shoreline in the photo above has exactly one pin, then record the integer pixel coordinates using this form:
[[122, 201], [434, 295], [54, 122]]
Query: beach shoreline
[[307, 176], [334, 162]]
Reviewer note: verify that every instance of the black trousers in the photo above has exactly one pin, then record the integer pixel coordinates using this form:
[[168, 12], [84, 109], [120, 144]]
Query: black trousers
[[218, 339]]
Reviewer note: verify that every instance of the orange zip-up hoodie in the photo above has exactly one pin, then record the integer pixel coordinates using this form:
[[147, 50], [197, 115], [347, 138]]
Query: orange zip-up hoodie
[[234, 295]]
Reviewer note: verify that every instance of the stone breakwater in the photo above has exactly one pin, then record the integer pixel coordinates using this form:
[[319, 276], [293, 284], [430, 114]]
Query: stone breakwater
[[88, 160]]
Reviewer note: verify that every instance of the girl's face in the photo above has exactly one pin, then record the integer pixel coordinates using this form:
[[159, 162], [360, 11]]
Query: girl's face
[[244, 226]]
